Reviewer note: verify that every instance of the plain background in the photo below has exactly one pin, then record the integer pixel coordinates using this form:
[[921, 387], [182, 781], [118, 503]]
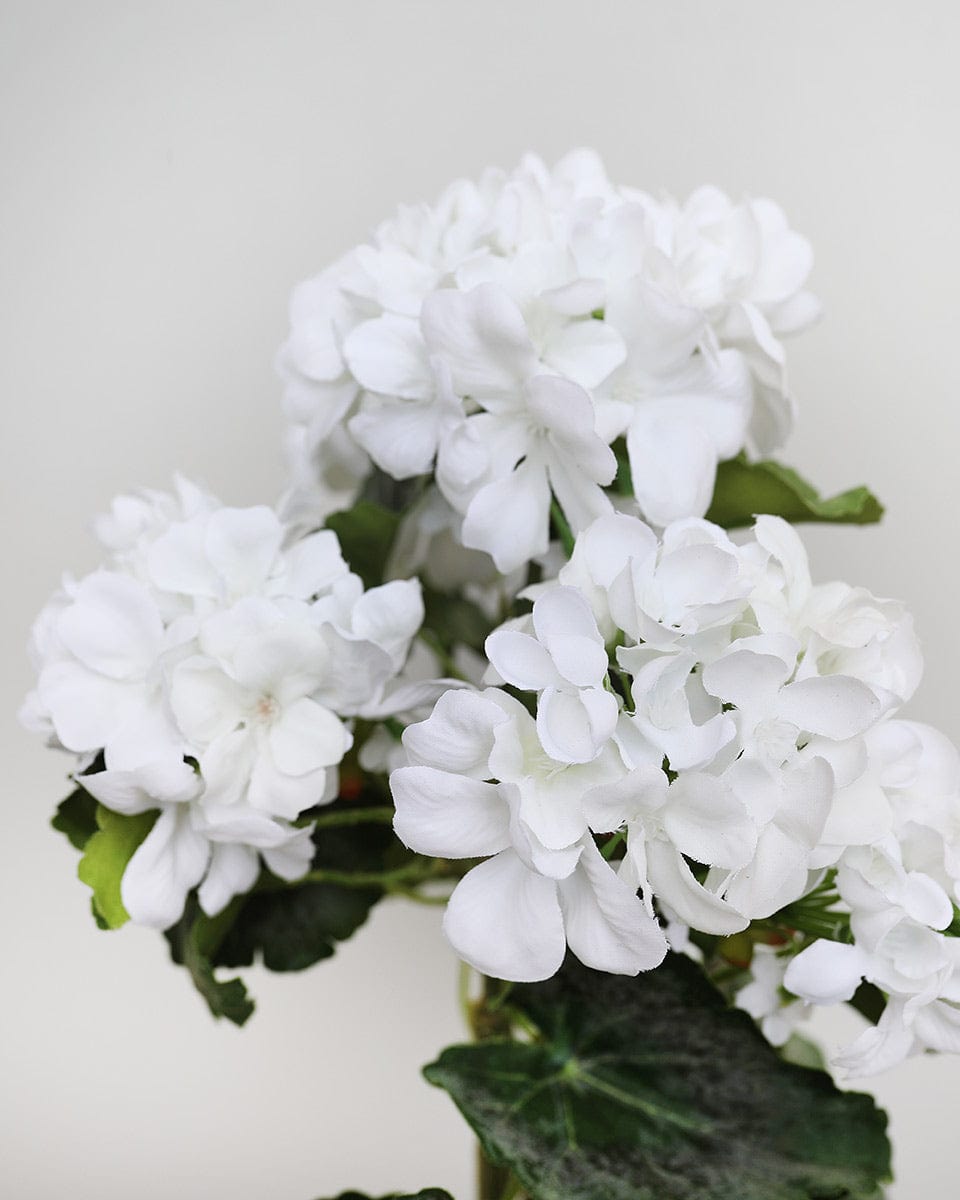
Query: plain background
[[170, 170]]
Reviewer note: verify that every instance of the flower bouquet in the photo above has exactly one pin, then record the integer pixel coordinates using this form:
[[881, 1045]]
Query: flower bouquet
[[531, 635]]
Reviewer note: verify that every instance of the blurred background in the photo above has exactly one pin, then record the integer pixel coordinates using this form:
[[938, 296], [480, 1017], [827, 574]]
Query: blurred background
[[170, 169]]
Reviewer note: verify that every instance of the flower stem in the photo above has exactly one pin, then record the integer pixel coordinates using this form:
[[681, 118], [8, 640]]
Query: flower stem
[[359, 816]]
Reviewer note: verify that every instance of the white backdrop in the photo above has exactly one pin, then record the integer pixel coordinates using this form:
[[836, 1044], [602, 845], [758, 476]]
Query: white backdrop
[[170, 169]]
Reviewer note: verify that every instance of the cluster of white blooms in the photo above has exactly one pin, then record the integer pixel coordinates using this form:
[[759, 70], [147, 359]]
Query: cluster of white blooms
[[724, 729], [207, 637], [504, 338]]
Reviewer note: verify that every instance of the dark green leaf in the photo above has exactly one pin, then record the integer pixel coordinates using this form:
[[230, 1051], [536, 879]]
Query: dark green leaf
[[653, 1089], [290, 928], [194, 941], [744, 489], [105, 859], [426, 1194], [455, 620], [366, 533], [293, 928], [77, 818]]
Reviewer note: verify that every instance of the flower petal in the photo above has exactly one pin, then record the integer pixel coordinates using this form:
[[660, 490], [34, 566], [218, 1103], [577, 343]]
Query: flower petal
[[505, 921], [448, 816], [167, 864], [606, 924]]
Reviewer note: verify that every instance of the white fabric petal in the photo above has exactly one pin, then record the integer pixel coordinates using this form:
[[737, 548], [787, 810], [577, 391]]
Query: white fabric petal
[[291, 859], [481, 334], [573, 726], [509, 518], [673, 467], [400, 436], [305, 736], [86, 708], [505, 921], [448, 816], [170, 782], [585, 351], [826, 972], [389, 616], [388, 355], [458, 735], [835, 706], [606, 924], [112, 626], [242, 545], [521, 660], [233, 870], [674, 883], [313, 564], [206, 702], [165, 866], [706, 821], [566, 626]]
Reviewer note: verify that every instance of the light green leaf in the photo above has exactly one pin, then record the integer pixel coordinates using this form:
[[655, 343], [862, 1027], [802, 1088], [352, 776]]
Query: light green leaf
[[744, 489], [653, 1089], [105, 859]]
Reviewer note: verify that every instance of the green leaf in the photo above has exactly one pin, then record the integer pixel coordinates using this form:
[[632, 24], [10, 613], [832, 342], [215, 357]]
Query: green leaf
[[653, 1089], [105, 859], [744, 489], [77, 818], [193, 942], [292, 927], [455, 620], [366, 533]]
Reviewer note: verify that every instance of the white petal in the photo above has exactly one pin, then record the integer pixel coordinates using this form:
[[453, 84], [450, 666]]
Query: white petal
[[313, 564], [112, 626], [291, 859], [835, 706], [708, 823], [458, 734], [242, 545], [205, 701], [305, 736], [673, 882], [483, 337], [388, 355], [400, 436], [566, 626], [826, 972], [285, 662], [177, 561], [280, 795], [85, 707], [521, 660], [606, 924], [167, 864], [389, 616], [611, 806], [447, 816], [509, 518], [506, 921], [233, 870], [585, 351], [573, 726], [148, 787], [673, 467]]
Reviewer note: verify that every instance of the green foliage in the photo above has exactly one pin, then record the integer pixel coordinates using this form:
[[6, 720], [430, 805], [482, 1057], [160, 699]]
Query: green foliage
[[289, 926], [454, 620], [366, 533], [653, 1089], [194, 941], [744, 489], [105, 858], [76, 817]]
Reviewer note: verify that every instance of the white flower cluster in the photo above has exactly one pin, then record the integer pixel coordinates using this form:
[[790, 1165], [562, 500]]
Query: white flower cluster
[[506, 337], [725, 730], [207, 638]]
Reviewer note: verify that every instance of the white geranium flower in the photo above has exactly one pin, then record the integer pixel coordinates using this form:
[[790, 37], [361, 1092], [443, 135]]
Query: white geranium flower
[[546, 884], [213, 636]]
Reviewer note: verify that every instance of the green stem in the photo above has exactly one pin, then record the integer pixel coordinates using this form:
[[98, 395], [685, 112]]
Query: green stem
[[487, 1020], [398, 879]]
